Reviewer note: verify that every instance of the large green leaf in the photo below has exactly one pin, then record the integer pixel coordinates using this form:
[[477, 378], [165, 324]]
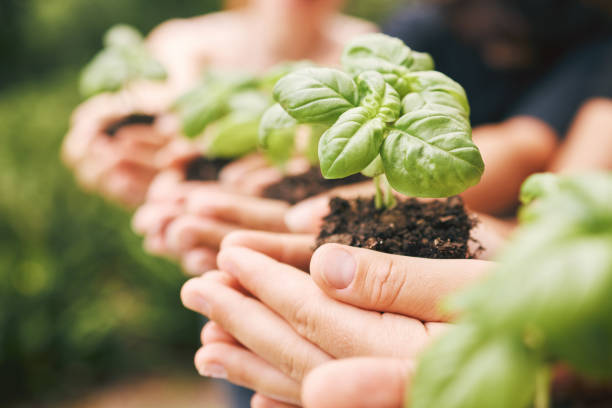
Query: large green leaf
[[430, 154], [316, 95], [276, 134], [467, 369], [232, 136]]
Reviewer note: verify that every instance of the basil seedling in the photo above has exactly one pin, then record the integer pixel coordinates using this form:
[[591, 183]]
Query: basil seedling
[[388, 115], [123, 60], [547, 302]]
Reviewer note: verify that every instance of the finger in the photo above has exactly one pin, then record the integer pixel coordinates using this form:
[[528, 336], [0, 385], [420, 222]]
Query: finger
[[176, 153], [293, 249], [391, 283], [244, 368], [199, 260], [491, 234], [213, 333], [253, 325], [257, 180], [293, 295], [357, 383], [247, 212], [189, 231], [152, 218], [127, 183], [261, 401], [307, 216], [231, 174]]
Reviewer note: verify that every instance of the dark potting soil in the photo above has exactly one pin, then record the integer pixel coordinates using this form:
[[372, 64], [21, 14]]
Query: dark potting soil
[[435, 229], [133, 119], [294, 189], [204, 169]]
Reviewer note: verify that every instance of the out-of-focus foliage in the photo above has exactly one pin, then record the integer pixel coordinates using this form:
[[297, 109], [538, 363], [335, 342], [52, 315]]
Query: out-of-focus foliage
[[547, 302]]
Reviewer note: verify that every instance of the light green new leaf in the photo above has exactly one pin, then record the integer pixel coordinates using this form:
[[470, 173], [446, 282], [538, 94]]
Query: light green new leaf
[[387, 55], [430, 154], [378, 96], [316, 95]]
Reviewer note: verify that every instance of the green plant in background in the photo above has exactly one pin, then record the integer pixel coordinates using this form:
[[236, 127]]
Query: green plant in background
[[548, 302], [226, 108], [123, 59], [387, 115]]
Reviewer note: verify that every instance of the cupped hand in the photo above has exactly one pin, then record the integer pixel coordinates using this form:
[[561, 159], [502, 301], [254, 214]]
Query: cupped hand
[[355, 302], [120, 166]]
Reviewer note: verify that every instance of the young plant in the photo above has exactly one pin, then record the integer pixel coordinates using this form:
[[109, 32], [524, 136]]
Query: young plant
[[547, 302], [123, 60], [387, 115], [226, 108]]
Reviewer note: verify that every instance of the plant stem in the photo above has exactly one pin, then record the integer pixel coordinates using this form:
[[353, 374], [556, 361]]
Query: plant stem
[[389, 197], [378, 199], [542, 396]]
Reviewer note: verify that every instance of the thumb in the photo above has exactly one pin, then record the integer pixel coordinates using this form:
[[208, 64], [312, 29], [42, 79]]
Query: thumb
[[391, 283], [357, 383]]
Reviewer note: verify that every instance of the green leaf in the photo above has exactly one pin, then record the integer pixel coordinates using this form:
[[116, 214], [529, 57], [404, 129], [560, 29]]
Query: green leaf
[[276, 134], [387, 55], [124, 60], [437, 88], [316, 95], [122, 35], [430, 154], [232, 136], [375, 168], [467, 369], [351, 144]]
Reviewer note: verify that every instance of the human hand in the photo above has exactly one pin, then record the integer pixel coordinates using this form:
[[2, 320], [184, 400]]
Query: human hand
[[122, 165], [294, 322]]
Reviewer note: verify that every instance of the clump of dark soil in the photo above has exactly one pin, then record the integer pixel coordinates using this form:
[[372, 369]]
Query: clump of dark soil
[[133, 119], [435, 229], [294, 189], [204, 169]]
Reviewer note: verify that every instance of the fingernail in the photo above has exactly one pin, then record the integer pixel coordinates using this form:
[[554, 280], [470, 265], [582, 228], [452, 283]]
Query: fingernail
[[307, 215], [213, 370], [339, 270]]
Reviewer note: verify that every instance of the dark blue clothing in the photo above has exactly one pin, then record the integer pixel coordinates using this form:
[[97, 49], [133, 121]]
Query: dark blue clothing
[[519, 57]]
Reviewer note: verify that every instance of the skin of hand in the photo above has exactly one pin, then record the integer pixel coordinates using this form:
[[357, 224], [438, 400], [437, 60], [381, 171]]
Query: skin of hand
[[512, 150], [588, 145], [122, 166], [272, 323]]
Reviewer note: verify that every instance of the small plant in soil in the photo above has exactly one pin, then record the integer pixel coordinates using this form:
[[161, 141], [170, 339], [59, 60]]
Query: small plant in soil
[[390, 116], [123, 60], [537, 332], [223, 113]]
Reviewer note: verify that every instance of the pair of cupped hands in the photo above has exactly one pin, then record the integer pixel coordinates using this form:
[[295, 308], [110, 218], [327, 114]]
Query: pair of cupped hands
[[338, 328], [346, 334]]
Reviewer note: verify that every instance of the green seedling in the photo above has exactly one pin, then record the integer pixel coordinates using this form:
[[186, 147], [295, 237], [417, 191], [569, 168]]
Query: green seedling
[[226, 108], [123, 60], [387, 115], [548, 302]]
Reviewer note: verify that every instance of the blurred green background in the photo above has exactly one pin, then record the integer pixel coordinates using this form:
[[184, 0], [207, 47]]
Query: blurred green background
[[80, 303]]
